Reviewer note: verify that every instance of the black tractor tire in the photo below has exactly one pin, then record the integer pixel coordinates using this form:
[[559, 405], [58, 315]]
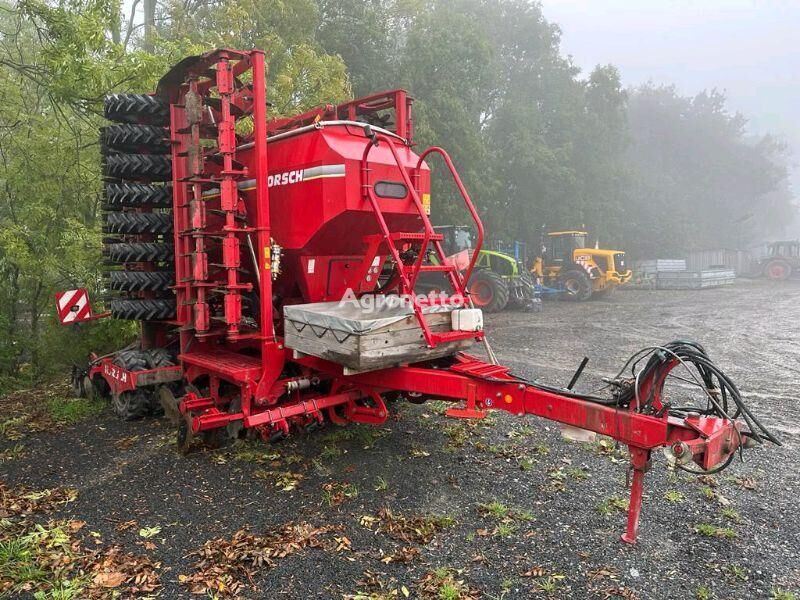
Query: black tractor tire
[[159, 357], [522, 292], [136, 195], [576, 285], [149, 167], [136, 108], [141, 252], [134, 223], [135, 404], [778, 270], [131, 406], [141, 281], [488, 291], [131, 360], [143, 310], [125, 137]]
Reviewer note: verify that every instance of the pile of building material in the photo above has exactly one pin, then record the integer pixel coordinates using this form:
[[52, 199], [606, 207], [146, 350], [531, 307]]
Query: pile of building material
[[694, 280], [671, 274]]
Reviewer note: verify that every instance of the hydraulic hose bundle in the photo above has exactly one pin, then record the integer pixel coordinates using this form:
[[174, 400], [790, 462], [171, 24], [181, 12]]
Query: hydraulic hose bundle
[[723, 398]]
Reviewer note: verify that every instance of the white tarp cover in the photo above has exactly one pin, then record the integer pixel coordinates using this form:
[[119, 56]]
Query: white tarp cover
[[350, 317]]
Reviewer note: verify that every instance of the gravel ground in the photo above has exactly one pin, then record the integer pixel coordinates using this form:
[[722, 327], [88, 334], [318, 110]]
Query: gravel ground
[[553, 530]]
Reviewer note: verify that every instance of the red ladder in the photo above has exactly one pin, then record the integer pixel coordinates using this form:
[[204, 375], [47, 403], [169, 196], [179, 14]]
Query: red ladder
[[408, 273]]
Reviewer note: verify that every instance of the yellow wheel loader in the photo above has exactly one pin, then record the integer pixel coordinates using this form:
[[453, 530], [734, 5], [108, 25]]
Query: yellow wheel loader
[[567, 263]]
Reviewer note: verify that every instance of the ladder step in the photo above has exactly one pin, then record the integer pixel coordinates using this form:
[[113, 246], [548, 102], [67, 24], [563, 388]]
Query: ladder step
[[432, 268], [402, 235], [454, 336]]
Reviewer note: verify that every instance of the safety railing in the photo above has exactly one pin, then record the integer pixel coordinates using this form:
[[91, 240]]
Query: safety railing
[[467, 201]]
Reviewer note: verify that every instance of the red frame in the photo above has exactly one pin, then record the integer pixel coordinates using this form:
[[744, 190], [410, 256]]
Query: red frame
[[251, 364]]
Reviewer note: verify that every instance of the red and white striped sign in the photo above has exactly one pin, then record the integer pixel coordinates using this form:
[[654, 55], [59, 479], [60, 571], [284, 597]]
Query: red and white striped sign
[[73, 306]]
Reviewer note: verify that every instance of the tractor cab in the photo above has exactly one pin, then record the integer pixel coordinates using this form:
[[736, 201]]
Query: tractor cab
[[456, 238], [559, 246], [458, 244], [499, 280]]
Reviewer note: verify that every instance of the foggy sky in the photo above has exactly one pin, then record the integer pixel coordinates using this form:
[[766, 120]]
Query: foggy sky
[[750, 49]]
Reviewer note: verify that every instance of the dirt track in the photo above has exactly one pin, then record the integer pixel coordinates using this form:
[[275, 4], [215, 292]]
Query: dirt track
[[554, 529]]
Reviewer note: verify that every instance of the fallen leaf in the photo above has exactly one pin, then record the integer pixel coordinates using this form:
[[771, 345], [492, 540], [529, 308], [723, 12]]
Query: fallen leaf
[[76, 525], [536, 571], [109, 580]]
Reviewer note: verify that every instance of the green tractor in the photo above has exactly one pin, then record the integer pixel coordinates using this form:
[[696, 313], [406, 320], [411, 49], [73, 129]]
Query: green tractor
[[498, 281]]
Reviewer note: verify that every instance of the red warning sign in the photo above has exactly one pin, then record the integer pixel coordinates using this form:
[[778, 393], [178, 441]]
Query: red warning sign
[[73, 306]]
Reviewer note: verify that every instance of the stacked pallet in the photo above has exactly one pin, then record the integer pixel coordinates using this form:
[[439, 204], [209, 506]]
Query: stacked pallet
[[695, 280], [672, 274]]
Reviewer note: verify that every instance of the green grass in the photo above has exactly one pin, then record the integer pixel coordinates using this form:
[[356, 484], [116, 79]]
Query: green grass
[[73, 410], [457, 434], [505, 530], [330, 452], [449, 591], [730, 514], [526, 464], [708, 492], [17, 562], [495, 509], [703, 593], [549, 585], [578, 473], [612, 505], [254, 452], [780, 594], [25, 564], [339, 435], [674, 496], [738, 572], [381, 484], [708, 530]]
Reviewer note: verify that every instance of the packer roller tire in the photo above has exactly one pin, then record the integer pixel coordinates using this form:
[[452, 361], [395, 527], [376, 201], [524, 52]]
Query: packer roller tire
[[136, 108], [133, 405], [141, 252], [143, 309], [150, 167], [159, 357], [135, 138], [136, 195], [141, 281], [128, 222]]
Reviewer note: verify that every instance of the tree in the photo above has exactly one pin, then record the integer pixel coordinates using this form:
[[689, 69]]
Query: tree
[[700, 180]]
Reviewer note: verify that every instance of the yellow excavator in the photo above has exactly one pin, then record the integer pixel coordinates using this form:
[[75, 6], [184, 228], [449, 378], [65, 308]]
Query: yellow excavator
[[567, 263]]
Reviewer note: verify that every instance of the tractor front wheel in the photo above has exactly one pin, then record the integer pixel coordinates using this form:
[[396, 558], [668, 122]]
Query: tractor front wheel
[[488, 291], [576, 285], [778, 270]]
